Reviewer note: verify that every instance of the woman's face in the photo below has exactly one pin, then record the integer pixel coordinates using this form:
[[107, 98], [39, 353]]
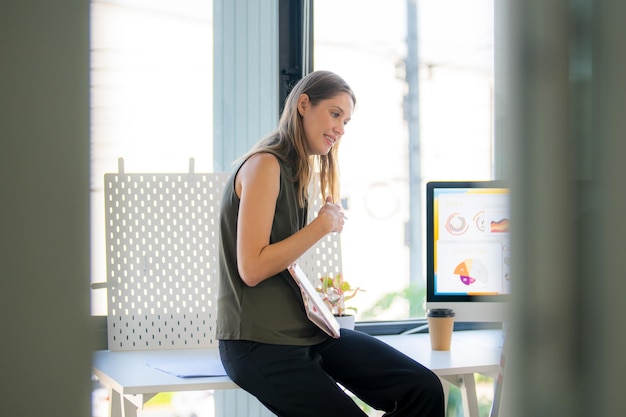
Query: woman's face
[[324, 123]]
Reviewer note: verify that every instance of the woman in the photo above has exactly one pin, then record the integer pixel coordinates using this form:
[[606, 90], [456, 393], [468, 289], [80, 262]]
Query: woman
[[267, 344]]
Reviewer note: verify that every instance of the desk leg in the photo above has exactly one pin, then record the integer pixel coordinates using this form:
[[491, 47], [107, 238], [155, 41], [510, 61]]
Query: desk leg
[[467, 383], [467, 386], [120, 406], [446, 391], [115, 403]]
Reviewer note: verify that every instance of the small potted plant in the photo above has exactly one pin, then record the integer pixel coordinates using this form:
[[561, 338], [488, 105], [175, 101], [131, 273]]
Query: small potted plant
[[335, 291]]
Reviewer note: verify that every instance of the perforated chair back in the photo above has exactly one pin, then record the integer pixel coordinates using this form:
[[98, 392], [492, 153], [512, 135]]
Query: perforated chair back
[[324, 258], [162, 244], [162, 259]]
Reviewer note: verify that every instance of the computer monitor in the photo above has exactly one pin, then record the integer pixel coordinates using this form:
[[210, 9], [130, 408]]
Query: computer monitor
[[468, 252]]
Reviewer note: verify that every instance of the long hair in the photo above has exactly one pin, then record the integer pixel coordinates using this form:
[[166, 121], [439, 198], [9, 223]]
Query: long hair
[[288, 142]]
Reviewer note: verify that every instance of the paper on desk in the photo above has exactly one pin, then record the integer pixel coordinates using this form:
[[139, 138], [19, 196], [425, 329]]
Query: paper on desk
[[187, 367]]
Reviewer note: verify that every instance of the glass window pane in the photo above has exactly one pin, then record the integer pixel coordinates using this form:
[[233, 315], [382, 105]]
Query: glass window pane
[[365, 41], [151, 97]]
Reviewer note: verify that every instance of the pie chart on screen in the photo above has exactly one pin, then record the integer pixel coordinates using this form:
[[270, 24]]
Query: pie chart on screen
[[472, 272]]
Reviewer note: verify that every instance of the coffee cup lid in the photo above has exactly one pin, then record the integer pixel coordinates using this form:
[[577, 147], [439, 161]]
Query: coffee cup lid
[[441, 312]]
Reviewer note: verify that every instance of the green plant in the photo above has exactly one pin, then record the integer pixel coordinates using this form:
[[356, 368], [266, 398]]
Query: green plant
[[414, 294], [335, 291]]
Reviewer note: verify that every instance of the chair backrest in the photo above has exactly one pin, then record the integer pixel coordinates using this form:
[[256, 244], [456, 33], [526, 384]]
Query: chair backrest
[[162, 249], [162, 259], [324, 258]]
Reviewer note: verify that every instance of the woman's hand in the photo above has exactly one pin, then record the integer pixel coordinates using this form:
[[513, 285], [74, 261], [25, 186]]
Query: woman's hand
[[332, 216]]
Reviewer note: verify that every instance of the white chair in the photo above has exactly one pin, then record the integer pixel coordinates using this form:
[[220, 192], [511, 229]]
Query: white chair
[[162, 259], [162, 265]]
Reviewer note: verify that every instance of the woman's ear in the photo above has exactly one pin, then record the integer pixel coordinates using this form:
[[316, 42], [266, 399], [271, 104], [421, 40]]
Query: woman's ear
[[303, 103]]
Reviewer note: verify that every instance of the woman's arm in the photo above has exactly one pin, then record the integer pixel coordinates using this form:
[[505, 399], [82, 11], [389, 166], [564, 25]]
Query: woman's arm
[[257, 185]]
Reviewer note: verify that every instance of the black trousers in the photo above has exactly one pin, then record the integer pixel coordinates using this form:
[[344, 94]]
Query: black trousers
[[301, 381]]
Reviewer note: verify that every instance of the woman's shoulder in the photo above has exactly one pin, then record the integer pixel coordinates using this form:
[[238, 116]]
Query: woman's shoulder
[[262, 161], [265, 157], [260, 166], [270, 161]]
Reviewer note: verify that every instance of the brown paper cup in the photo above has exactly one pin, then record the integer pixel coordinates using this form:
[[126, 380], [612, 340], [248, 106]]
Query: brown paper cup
[[440, 329]]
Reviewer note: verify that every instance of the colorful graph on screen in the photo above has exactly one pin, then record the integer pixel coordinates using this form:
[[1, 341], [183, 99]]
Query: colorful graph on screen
[[471, 241], [472, 271]]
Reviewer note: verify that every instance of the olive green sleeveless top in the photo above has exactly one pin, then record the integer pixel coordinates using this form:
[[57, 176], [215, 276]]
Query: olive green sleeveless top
[[271, 312]]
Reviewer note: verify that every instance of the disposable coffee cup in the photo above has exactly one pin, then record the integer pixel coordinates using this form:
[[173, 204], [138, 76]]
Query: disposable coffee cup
[[440, 326]]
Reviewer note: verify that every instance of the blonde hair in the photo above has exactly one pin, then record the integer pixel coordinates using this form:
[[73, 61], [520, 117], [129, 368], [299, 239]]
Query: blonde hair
[[288, 142]]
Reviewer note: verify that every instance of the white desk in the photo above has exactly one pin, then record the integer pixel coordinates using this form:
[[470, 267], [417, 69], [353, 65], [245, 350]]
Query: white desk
[[131, 382], [472, 352]]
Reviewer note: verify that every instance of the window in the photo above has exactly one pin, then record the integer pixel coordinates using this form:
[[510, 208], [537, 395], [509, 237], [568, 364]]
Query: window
[[372, 44], [152, 104], [151, 97]]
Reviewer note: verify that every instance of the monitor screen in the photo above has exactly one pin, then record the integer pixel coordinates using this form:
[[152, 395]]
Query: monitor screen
[[468, 255]]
